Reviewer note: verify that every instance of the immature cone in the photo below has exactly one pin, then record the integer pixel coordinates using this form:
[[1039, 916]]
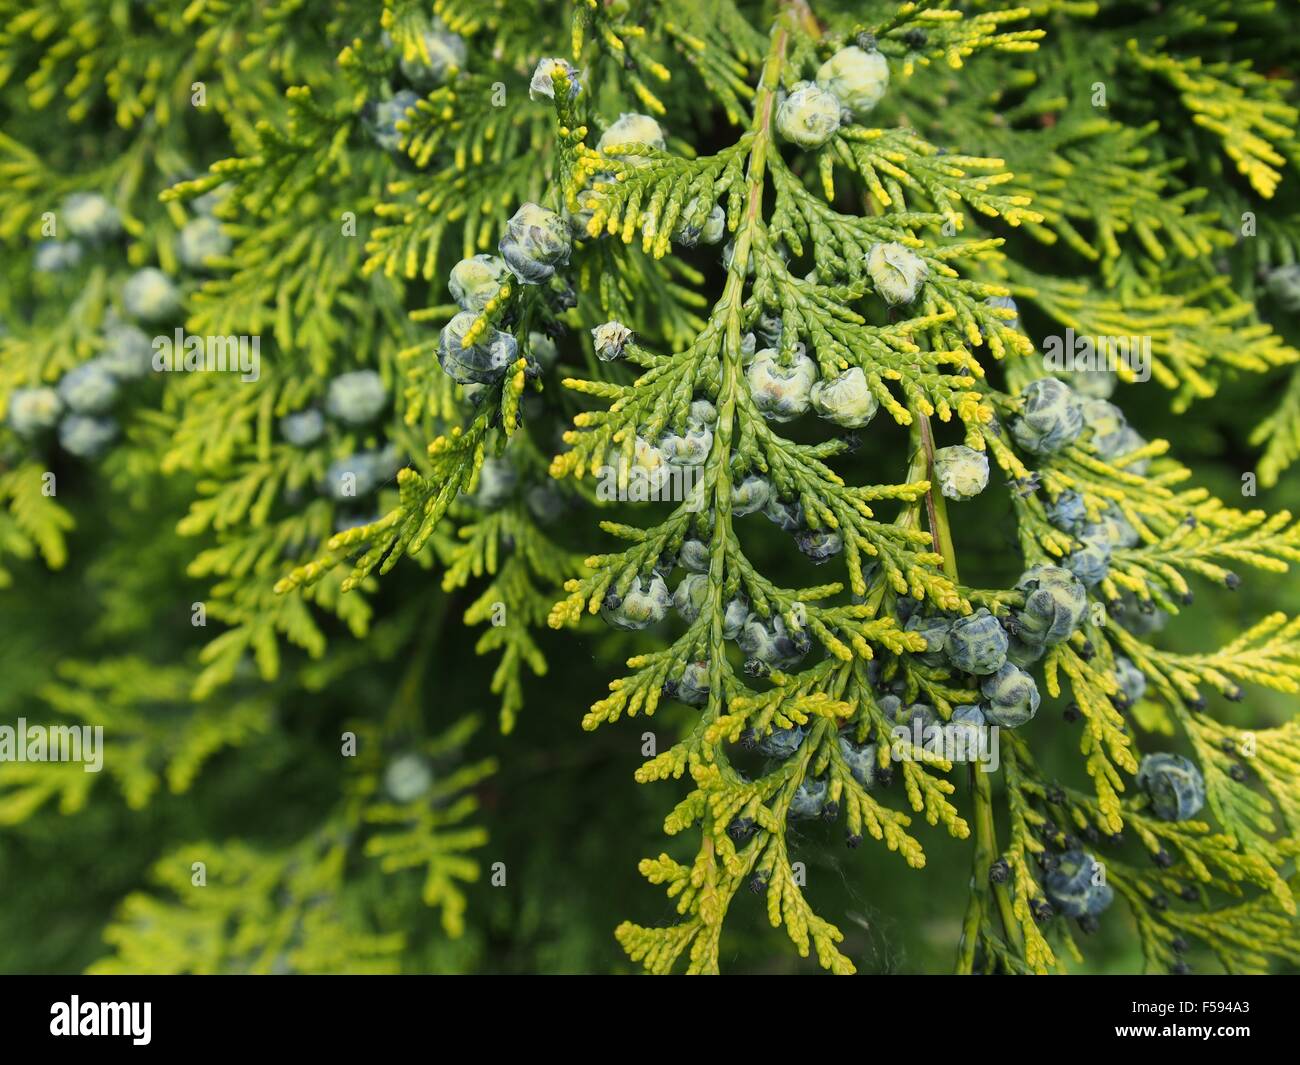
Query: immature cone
[[475, 282], [977, 643], [1067, 512], [820, 545], [1112, 436], [543, 84], [809, 800], [86, 436], [1107, 423], [356, 398], [210, 200], [1131, 680], [962, 472], [772, 642], [786, 515], [589, 199], [1055, 602], [202, 239], [858, 79], [809, 116], [1012, 697], [1175, 785], [90, 216], [536, 242], [33, 411], [734, 617], [407, 777], [781, 743], [387, 114], [1090, 561], [360, 474], [915, 719], [1140, 617], [55, 256], [547, 503], [303, 428], [691, 596], [692, 687], [861, 760], [769, 329], [1077, 886], [646, 603], [891, 707], [446, 51], [693, 556], [691, 446], [641, 480], [965, 725], [781, 393], [750, 495], [846, 400], [609, 339], [89, 388], [1112, 527], [128, 351], [497, 481], [1283, 285], [896, 271], [1023, 654], [633, 128], [1051, 417], [1006, 303], [150, 295], [935, 631], [1090, 384], [710, 231], [481, 363]]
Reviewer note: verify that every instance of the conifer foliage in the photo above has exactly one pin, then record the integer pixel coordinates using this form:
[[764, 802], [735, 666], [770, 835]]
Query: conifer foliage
[[687, 335]]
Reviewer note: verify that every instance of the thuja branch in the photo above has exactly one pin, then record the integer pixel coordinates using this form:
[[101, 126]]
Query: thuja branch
[[730, 304], [986, 846], [585, 232]]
